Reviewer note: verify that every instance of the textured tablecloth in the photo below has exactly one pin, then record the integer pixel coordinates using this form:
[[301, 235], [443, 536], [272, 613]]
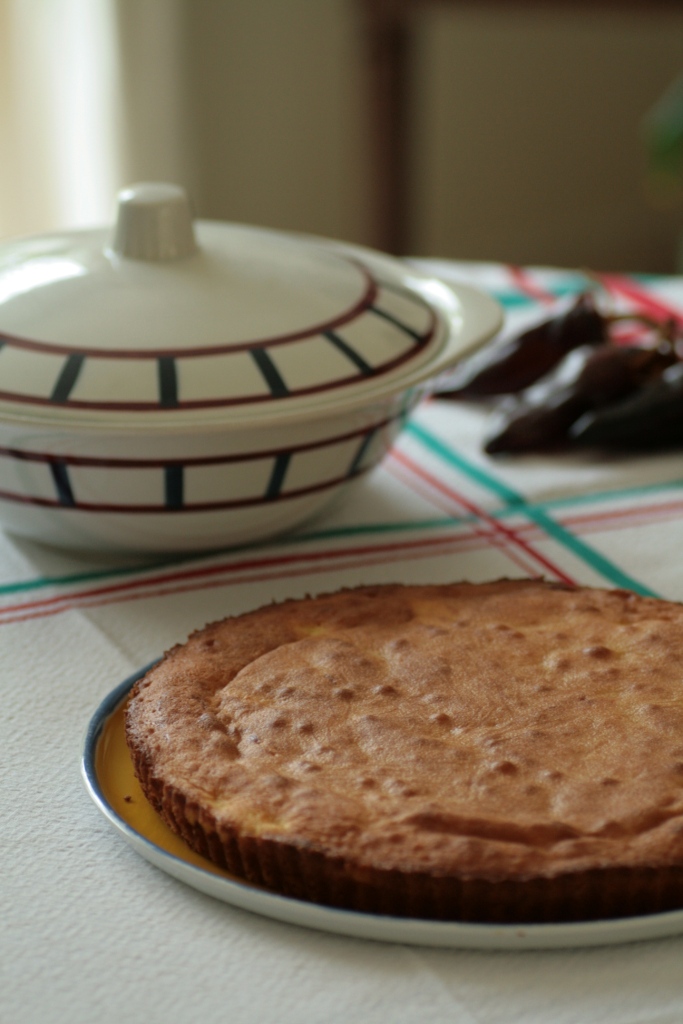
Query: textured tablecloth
[[90, 932]]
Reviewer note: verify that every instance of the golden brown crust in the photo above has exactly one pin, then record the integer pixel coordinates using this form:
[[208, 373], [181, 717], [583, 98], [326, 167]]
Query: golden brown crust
[[510, 751]]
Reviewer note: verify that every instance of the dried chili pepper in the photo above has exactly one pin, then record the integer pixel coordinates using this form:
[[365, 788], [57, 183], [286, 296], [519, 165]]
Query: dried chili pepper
[[651, 418], [509, 366], [587, 379]]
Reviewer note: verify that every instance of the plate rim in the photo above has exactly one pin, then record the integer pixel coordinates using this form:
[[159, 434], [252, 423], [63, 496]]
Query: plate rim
[[351, 923]]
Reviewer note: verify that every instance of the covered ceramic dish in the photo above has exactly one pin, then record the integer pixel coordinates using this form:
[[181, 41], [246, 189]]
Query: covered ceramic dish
[[170, 385]]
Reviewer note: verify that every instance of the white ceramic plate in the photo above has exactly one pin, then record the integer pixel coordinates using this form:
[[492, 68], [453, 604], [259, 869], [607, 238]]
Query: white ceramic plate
[[346, 922]]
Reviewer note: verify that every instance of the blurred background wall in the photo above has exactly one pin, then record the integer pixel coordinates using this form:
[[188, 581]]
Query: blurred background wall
[[527, 142]]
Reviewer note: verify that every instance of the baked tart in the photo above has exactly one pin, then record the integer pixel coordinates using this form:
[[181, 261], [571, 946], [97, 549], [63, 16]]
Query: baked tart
[[500, 752]]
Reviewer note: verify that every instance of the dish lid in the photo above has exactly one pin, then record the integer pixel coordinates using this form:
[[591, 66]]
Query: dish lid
[[162, 320]]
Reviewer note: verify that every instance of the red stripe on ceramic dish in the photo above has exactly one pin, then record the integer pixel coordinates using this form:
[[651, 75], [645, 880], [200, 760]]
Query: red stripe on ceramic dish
[[205, 506], [209, 460], [352, 313], [212, 403]]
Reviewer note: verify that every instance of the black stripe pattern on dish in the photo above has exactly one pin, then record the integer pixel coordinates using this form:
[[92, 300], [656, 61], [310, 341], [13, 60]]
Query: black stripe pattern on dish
[[269, 372], [67, 378], [360, 454], [350, 353], [168, 382], [277, 477], [174, 486], [60, 476], [397, 323]]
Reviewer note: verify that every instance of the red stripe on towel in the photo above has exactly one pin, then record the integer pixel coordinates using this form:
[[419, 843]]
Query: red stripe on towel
[[499, 532]]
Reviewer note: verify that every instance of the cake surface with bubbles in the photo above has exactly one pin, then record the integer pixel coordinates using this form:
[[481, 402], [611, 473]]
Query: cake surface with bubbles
[[508, 751]]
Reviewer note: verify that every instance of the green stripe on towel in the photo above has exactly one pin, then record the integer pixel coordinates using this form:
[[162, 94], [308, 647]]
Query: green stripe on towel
[[512, 499]]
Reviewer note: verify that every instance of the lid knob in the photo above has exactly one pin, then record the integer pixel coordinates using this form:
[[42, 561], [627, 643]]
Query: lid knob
[[154, 222]]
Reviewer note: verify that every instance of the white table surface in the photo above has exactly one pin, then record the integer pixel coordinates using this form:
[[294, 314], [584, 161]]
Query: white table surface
[[91, 932]]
